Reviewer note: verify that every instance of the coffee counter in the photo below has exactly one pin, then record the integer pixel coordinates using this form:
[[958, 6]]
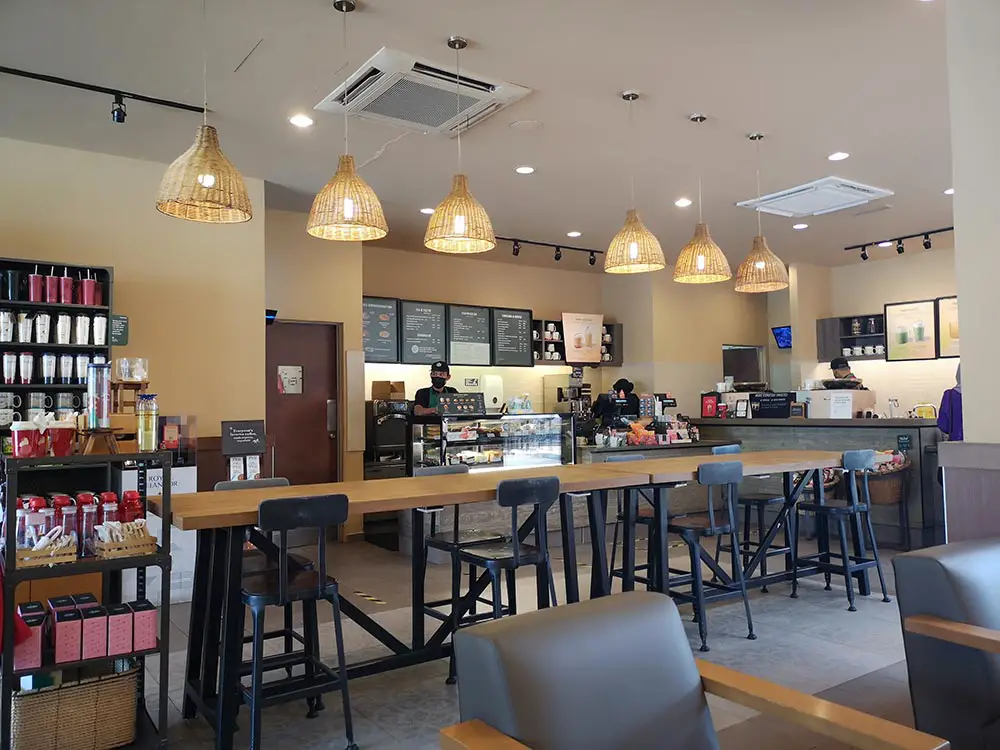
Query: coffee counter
[[595, 454], [918, 437]]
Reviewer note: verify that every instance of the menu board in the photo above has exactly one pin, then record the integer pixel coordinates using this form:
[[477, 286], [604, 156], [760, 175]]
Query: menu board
[[468, 335], [512, 338], [380, 329], [582, 334], [947, 327], [422, 332], [910, 331]]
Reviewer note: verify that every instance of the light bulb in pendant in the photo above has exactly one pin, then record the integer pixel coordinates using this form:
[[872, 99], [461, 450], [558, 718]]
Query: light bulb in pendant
[[700, 262], [760, 264], [460, 224], [348, 208], [206, 180], [633, 250]]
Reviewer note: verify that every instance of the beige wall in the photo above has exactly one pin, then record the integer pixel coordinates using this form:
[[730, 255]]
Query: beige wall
[[779, 313], [194, 293], [808, 301], [863, 288]]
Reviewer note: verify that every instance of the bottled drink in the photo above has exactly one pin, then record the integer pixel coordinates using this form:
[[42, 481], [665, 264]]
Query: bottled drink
[[147, 414]]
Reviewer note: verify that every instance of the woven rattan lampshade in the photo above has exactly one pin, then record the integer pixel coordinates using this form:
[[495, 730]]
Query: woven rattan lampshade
[[702, 261], [761, 270], [347, 209], [460, 224], [203, 185], [634, 249]]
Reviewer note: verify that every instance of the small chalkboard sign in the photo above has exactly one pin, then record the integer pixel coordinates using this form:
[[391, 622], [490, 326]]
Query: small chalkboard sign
[[243, 438], [119, 330], [904, 442], [798, 410], [462, 405], [771, 405]]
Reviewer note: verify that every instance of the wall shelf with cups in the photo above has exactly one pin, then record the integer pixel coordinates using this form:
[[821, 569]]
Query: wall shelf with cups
[[547, 338], [54, 322], [857, 337]]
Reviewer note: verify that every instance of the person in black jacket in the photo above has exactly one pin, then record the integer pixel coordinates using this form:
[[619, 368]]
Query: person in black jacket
[[426, 400], [623, 389]]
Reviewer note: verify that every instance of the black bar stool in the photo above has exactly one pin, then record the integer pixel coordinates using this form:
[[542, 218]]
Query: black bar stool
[[507, 556], [692, 529], [755, 505], [644, 516], [280, 589], [856, 464], [450, 542]]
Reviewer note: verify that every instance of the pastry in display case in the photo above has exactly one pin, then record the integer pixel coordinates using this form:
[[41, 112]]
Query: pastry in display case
[[496, 442]]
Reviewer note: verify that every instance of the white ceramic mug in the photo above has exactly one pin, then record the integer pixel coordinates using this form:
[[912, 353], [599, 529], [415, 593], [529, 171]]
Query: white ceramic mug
[[39, 401], [9, 415], [869, 350], [857, 351], [879, 349], [846, 351], [9, 400], [66, 401]]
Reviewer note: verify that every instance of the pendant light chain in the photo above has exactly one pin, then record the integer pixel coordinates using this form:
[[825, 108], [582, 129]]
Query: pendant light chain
[[347, 88], [458, 102], [634, 155], [204, 60], [757, 145]]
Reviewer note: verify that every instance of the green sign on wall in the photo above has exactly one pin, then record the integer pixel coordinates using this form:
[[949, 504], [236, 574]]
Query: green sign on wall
[[119, 330]]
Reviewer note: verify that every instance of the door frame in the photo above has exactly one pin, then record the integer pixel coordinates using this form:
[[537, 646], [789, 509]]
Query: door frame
[[339, 366]]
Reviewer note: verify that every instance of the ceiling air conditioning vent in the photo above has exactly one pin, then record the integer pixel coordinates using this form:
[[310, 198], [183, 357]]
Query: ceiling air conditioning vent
[[815, 198], [402, 90]]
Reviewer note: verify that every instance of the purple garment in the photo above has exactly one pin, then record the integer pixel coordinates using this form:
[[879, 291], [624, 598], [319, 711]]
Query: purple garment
[[949, 419]]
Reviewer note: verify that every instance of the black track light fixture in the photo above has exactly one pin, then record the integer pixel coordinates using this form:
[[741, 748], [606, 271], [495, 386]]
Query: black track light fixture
[[516, 248], [558, 254], [899, 247], [864, 253], [118, 111], [927, 242], [593, 259]]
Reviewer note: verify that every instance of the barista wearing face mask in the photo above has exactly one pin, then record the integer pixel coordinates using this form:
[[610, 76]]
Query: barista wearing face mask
[[426, 400], [623, 389]]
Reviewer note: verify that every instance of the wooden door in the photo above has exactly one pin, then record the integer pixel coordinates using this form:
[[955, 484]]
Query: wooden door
[[305, 450]]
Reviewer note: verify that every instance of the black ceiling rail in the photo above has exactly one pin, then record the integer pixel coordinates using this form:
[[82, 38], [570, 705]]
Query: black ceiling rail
[[101, 89], [899, 238], [553, 245]]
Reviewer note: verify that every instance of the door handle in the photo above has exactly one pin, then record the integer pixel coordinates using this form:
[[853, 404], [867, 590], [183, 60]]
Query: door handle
[[331, 417]]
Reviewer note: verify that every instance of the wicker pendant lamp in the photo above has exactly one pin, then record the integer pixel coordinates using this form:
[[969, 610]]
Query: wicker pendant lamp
[[762, 270], [701, 261], [634, 249], [202, 184], [347, 209], [459, 224]]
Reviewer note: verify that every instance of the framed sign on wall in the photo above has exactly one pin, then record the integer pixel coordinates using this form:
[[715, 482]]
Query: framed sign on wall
[[910, 331], [947, 326]]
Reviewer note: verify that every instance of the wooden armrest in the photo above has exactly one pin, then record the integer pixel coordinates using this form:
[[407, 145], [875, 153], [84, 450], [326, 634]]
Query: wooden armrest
[[854, 728], [476, 735], [972, 636]]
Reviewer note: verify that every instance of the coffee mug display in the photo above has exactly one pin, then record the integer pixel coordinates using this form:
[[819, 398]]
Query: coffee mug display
[[9, 415], [65, 401], [43, 323], [39, 401], [9, 400]]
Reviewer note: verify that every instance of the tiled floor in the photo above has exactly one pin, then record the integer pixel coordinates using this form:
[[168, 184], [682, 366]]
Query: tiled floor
[[811, 643]]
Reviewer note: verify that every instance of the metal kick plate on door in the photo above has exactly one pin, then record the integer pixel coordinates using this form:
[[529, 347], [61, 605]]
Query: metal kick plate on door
[[331, 417]]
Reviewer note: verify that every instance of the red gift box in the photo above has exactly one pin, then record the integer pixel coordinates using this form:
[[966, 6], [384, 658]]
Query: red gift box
[[28, 653]]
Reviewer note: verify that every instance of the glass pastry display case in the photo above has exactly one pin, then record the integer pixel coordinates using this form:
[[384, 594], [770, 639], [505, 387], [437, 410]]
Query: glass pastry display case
[[510, 441]]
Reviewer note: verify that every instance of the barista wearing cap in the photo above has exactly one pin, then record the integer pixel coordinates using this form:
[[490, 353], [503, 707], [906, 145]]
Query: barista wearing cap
[[623, 389], [426, 400], [842, 369]]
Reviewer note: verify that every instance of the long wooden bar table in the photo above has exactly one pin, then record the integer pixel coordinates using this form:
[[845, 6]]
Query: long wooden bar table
[[223, 519]]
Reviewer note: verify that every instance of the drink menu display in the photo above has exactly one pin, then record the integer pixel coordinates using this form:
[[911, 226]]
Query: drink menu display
[[512, 338], [910, 331], [468, 335], [423, 332], [380, 329]]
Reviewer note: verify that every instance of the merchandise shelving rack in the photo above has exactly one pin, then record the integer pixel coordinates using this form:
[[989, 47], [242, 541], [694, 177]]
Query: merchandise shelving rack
[[32, 471]]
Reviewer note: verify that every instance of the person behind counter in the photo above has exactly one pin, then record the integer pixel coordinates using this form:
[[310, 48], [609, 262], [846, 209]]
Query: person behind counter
[[949, 419], [623, 389], [426, 400], [842, 369]]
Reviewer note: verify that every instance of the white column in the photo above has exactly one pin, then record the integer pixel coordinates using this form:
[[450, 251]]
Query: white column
[[974, 78]]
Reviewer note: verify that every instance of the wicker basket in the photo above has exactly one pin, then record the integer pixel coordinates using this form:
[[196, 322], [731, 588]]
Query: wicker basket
[[92, 715], [887, 488]]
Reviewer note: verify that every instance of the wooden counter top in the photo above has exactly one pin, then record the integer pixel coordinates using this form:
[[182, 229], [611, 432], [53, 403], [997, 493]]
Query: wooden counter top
[[799, 422], [685, 468]]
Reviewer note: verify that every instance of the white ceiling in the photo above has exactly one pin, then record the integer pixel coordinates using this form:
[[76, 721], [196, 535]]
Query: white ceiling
[[863, 76]]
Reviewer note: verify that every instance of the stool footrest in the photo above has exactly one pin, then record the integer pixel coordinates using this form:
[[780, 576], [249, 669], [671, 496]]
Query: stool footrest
[[294, 688]]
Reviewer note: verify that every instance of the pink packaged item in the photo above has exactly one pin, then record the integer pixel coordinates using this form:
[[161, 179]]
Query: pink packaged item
[[67, 635], [28, 654], [95, 632], [82, 601], [119, 629], [59, 603], [144, 626], [30, 608]]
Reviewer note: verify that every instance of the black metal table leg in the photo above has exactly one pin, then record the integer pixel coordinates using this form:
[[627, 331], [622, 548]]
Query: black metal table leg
[[860, 552], [597, 511], [662, 573], [232, 639], [629, 511], [569, 547], [196, 630], [417, 579]]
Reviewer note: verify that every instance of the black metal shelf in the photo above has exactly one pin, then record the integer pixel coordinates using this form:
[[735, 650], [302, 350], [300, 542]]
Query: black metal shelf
[[25, 305], [88, 565], [865, 336], [42, 386], [33, 346], [53, 666]]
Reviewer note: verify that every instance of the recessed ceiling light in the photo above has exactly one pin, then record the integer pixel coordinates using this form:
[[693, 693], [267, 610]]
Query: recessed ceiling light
[[524, 169], [838, 156], [800, 226], [682, 202], [301, 121], [885, 244], [573, 234], [427, 211], [949, 191]]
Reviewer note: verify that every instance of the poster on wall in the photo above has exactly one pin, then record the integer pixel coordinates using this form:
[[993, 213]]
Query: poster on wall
[[910, 331], [947, 326], [582, 334]]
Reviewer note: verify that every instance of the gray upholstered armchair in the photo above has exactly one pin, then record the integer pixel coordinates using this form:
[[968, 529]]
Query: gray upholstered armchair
[[949, 599], [617, 673]]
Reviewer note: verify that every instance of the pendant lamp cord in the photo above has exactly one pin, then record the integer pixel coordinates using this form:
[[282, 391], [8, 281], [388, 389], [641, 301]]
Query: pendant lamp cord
[[757, 144], [204, 60], [347, 64], [458, 103], [632, 138]]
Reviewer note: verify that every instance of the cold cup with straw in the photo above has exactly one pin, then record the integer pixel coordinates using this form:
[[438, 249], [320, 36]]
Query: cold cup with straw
[[35, 286], [66, 288], [52, 287], [88, 290]]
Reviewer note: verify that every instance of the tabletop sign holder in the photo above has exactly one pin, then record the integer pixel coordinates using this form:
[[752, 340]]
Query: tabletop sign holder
[[771, 405], [462, 405], [243, 445]]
